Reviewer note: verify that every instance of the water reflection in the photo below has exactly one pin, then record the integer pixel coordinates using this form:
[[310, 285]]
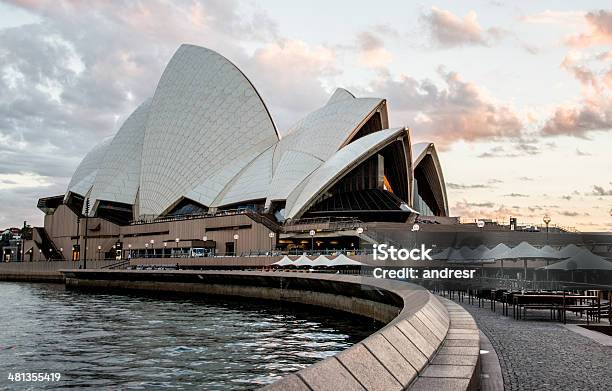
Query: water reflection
[[115, 342]]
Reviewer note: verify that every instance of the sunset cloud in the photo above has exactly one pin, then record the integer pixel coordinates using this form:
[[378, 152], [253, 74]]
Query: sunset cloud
[[448, 30], [372, 52], [600, 30], [459, 110]]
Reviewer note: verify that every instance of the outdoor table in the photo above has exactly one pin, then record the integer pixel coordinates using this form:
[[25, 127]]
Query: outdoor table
[[556, 300]]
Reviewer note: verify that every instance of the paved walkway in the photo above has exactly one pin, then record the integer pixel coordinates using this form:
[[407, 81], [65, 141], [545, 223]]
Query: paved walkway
[[544, 355]]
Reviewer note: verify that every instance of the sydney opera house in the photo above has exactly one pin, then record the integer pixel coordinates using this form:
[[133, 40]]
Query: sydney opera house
[[201, 164]]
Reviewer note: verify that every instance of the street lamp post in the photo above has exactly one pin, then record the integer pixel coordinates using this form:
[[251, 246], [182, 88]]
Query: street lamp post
[[236, 237], [164, 253], [129, 251], [415, 229], [271, 235], [146, 250], [152, 246], [99, 249], [176, 240], [546, 220], [312, 234]]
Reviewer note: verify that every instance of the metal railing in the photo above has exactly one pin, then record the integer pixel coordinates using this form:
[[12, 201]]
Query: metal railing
[[227, 212]]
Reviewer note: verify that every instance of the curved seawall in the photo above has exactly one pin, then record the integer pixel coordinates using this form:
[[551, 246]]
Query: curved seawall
[[428, 342]]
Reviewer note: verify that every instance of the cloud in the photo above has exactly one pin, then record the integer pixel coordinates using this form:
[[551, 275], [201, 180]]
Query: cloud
[[600, 30], [457, 186], [600, 191], [448, 30], [569, 213], [526, 179], [522, 147], [288, 75], [372, 52], [593, 112], [516, 195], [459, 110], [579, 121]]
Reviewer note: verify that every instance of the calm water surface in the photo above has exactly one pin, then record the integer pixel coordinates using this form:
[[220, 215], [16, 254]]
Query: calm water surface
[[117, 342]]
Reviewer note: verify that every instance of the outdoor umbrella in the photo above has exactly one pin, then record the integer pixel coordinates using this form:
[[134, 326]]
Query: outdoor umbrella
[[343, 260], [584, 260], [455, 255], [525, 251], [569, 251], [321, 260], [285, 261], [442, 255], [496, 253], [479, 252], [303, 260]]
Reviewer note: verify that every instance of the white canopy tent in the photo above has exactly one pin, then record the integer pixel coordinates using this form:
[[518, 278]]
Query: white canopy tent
[[442, 255], [321, 260], [496, 252], [343, 260], [284, 261], [303, 260]]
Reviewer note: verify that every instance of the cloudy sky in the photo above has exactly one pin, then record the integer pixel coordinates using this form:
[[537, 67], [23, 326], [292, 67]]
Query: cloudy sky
[[517, 97]]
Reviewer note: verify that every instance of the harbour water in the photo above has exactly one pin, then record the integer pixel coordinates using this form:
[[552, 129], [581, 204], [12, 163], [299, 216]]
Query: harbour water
[[117, 342]]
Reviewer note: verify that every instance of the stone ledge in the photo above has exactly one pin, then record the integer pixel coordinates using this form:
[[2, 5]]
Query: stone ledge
[[456, 365]]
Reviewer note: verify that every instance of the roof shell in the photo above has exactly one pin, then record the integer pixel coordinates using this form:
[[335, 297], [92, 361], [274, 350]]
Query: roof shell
[[337, 165], [118, 175], [85, 174], [419, 151], [204, 114], [316, 137]]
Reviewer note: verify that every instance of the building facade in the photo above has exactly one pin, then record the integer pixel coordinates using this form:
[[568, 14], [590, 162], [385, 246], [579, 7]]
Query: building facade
[[201, 164]]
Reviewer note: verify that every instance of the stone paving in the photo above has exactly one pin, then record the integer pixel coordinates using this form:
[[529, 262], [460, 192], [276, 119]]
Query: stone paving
[[544, 355]]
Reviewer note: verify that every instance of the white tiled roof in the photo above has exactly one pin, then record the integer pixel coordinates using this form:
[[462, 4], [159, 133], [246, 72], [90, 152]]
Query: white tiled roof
[[206, 135]]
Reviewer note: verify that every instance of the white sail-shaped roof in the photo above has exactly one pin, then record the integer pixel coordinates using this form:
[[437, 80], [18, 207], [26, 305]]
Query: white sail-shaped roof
[[118, 177], [206, 137], [419, 152], [316, 137], [85, 174], [204, 113], [343, 160], [252, 183]]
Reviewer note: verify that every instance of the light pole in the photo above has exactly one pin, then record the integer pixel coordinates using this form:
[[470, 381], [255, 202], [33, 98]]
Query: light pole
[[164, 253], [546, 220], [359, 232], [480, 224], [312, 234], [236, 237], [271, 235], [146, 250], [415, 229], [99, 249], [152, 246], [176, 240], [129, 251]]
